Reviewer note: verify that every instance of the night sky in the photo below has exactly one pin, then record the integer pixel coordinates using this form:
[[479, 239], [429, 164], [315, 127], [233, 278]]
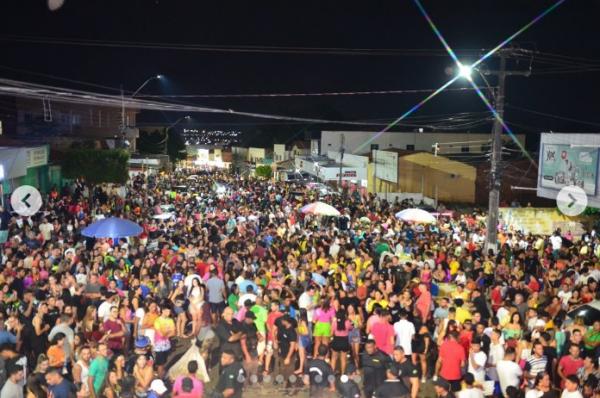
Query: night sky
[[568, 91]]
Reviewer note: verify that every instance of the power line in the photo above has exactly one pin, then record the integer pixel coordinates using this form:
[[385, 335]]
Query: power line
[[321, 94], [234, 48], [45, 93], [595, 124]]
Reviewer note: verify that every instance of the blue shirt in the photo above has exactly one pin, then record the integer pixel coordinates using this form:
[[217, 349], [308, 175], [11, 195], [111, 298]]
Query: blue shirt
[[62, 389], [7, 337]]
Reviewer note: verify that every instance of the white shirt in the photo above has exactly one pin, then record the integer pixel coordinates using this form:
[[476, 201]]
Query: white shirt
[[306, 302], [104, 310], [244, 297], [574, 394], [480, 359], [556, 242], [470, 393], [404, 331], [533, 394], [496, 354], [509, 374]]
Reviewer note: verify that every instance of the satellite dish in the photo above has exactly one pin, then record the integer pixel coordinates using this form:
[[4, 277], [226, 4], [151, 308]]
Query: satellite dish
[[54, 5]]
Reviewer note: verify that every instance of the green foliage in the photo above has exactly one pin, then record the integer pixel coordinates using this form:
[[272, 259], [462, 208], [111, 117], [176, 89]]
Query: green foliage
[[264, 171], [153, 143], [97, 166]]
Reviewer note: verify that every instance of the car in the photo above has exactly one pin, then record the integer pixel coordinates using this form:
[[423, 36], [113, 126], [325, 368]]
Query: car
[[589, 312]]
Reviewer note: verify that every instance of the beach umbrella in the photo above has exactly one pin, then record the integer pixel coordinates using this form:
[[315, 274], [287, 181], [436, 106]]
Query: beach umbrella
[[163, 216], [416, 215], [319, 279], [320, 209], [112, 227]]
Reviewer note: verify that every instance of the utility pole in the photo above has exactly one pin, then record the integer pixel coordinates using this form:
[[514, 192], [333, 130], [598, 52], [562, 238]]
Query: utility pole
[[494, 198], [342, 139], [122, 110]]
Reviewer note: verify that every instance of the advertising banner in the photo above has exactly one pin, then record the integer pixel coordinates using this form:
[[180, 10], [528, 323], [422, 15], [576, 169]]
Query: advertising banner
[[563, 165]]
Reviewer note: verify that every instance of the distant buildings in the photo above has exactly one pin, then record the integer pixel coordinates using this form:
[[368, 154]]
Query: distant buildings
[[63, 124]]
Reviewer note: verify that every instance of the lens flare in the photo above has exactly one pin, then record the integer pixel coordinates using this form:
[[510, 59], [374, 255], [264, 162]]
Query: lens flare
[[465, 71], [406, 114], [502, 123], [517, 33]]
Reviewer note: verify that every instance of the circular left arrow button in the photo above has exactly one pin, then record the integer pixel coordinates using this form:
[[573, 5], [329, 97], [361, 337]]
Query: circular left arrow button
[[26, 200]]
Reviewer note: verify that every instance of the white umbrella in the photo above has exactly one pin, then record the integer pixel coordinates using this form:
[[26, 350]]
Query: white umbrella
[[320, 209], [416, 215], [163, 216]]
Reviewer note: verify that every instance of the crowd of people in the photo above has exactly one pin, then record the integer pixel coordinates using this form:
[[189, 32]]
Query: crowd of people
[[357, 305]]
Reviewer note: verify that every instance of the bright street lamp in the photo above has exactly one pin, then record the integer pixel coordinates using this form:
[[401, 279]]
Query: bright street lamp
[[465, 71], [157, 77]]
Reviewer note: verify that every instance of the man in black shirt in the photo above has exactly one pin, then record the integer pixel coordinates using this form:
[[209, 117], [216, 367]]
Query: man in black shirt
[[250, 343], [230, 333], [373, 363], [480, 305], [288, 341], [232, 377], [408, 373], [345, 386], [442, 389], [392, 387], [319, 374]]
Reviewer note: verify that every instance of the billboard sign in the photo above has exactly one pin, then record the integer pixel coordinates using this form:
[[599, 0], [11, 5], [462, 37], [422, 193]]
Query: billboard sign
[[564, 165], [386, 165]]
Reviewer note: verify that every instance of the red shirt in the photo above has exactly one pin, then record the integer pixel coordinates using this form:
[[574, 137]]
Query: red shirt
[[569, 366], [383, 334], [452, 355], [114, 327], [271, 318]]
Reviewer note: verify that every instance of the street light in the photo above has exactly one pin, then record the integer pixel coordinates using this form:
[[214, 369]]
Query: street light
[[157, 77], [465, 71], [187, 117]]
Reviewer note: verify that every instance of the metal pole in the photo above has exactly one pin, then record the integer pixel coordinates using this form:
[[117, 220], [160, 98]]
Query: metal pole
[[122, 109], [494, 198], [341, 161]]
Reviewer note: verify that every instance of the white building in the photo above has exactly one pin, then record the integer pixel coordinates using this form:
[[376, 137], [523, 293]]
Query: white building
[[361, 142]]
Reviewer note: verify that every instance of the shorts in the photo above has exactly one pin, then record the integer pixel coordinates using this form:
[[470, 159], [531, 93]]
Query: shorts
[[304, 341], [322, 329], [455, 385], [217, 308], [340, 344], [269, 349], [354, 336], [161, 357]]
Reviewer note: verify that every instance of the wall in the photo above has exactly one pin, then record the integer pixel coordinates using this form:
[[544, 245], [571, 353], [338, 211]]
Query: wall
[[279, 153], [434, 183], [82, 121], [256, 155], [361, 142]]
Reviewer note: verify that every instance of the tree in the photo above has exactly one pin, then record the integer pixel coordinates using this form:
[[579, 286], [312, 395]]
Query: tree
[[153, 143], [264, 171], [96, 166]]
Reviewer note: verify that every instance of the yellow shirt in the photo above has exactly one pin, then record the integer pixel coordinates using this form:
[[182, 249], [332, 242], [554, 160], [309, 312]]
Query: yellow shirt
[[383, 303], [464, 296], [454, 266], [462, 315]]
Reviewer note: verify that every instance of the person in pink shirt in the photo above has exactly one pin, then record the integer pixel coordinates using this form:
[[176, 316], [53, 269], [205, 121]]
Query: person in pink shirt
[[383, 333], [423, 303], [322, 318], [188, 386]]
